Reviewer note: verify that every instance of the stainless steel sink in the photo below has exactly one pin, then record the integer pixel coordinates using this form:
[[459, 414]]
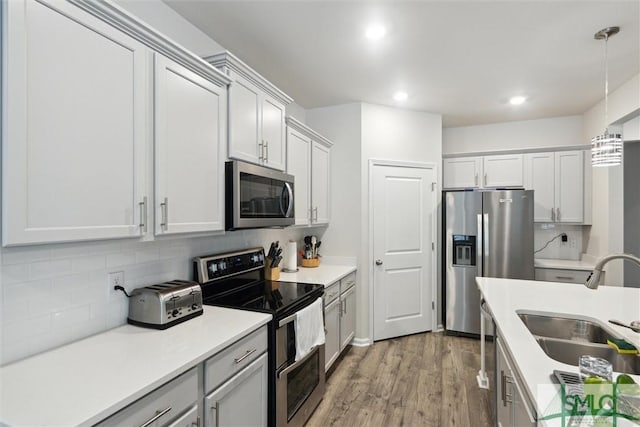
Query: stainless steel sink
[[565, 339], [570, 351], [565, 328]]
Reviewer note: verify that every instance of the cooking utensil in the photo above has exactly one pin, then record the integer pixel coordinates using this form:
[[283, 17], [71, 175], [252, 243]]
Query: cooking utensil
[[314, 240], [634, 326]]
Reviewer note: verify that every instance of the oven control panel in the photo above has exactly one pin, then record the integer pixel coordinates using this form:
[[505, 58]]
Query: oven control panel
[[216, 267]]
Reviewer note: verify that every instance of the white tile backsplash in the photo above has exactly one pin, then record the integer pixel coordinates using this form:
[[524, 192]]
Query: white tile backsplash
[[55, 294], [557, 249]]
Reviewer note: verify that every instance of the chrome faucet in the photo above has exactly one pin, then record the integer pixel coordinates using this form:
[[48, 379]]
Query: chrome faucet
[[596, 275]]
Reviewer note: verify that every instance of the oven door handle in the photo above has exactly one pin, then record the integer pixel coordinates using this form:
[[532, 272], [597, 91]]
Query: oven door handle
[[286, 320], [290, 368]]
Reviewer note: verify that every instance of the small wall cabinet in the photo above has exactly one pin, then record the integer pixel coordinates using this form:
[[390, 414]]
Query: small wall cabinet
[[494, 171], [308, 160], [256, 114], [340, 320], [558, 181]]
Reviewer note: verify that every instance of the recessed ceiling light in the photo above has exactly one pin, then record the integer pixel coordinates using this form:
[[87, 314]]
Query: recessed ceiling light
[[375, 32], [400, 96], [517, 100]]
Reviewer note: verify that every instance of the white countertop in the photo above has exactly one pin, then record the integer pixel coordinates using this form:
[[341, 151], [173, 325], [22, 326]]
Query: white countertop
[[324, 274], [506, 296], [564, 264], [86, 381]]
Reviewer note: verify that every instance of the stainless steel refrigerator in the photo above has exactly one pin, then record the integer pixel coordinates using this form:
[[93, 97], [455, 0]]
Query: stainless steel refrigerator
[[486, 233]]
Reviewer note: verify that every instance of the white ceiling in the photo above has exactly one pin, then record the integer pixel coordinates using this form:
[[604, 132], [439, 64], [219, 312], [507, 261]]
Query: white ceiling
[[463, 59]]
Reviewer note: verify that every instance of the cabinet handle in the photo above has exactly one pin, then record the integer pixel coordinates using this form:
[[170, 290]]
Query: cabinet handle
[[553, 214], [197, 422], [475, 180], [155, 417], [266, 147], [503, 388], [216, 408], [143, 214], [565, 278], [485, 179], [316, 211], [244, 356], [557, 214], [508, 397], [164, 206]]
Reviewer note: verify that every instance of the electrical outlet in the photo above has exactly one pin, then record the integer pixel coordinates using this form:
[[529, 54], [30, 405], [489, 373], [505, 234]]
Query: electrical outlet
[[115, 279]]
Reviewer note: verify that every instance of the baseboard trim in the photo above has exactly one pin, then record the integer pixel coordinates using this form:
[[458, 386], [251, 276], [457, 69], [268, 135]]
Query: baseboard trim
[[361, 342]]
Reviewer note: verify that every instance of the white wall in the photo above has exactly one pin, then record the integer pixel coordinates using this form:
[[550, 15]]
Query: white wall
[[551, 132]]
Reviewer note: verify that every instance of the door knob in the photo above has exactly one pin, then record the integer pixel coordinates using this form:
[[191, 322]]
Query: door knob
[[378, 262]]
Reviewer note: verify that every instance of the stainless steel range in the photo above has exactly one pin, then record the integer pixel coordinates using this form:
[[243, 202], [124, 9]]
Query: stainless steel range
[[237, 280]]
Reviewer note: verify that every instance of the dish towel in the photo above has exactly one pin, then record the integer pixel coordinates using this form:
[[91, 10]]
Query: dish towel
[[309, 328]]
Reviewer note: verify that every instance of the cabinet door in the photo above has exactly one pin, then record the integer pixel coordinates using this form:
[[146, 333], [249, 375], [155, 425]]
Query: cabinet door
[[347, 317], [299, 165], [244, 121], [569, 176], [273, 134], [75, 119], [502, 171], [332, 333], [320, 183], [540, 176], [462, 172], [503, 406], [242, 400], [190, 128]]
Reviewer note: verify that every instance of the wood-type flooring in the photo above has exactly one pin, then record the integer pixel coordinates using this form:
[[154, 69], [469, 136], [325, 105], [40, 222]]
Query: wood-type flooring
[[418, 380]]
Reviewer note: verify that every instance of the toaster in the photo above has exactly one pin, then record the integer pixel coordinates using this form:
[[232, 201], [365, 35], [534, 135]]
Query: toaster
[[165, 304]]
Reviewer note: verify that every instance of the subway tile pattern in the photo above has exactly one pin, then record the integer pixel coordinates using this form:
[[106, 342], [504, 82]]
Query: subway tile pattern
[[52, 295]]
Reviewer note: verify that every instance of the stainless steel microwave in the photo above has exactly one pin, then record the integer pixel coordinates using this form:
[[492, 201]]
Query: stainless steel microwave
[[257, 197]]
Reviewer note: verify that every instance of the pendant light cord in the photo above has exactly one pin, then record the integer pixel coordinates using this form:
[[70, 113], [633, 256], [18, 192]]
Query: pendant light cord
[[606, 83]]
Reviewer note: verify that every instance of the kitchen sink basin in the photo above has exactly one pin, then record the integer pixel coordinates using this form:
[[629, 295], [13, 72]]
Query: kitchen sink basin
[[565, 328], [569, 352]]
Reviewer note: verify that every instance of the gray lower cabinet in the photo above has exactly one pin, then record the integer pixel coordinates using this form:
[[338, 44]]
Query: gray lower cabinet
[[173, 403], [241, 400], [339, 317], [513, 408]]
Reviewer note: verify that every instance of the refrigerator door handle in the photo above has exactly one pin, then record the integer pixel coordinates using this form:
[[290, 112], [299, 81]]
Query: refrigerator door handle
[[479, 248], [485, 243]]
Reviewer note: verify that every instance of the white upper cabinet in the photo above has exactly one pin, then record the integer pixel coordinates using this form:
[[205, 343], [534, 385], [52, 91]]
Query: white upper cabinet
[[190, 124], [75, 111], [299, 165], [462, 172], [558, 181], [308, 160], [502, 171], [78, 123], [256, 114], [495, 171]]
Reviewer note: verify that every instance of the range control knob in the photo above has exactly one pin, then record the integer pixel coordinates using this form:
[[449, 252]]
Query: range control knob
[[194, 306], [175, 313]]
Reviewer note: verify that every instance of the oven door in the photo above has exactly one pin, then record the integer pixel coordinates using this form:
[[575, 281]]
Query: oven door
[[259, 196], [300, 386]]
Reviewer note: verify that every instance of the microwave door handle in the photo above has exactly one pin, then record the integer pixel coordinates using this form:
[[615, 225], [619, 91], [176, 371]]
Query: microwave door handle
[[287, 188]]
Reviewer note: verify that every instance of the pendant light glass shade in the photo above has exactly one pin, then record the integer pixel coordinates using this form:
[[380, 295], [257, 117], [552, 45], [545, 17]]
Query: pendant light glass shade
[[606, 150]]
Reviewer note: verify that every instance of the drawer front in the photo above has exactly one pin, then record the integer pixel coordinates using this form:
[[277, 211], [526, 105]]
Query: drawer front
[[348, 282], [331, 292], [233, 358], [164, 404], [557, 275]]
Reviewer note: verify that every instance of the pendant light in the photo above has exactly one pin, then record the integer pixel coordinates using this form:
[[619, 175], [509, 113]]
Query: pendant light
[[606, 149]]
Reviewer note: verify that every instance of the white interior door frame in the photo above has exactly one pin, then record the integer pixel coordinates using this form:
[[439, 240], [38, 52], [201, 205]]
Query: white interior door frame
[[434, 224]]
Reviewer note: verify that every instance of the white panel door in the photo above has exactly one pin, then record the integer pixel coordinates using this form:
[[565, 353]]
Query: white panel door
[[299, 165], [244, 121], [569, 178], [189, 121], [228, 404], [540, 177], [503, 170], [403, 231], [462, 172], [273, 134], [74, 137], [320, 183]]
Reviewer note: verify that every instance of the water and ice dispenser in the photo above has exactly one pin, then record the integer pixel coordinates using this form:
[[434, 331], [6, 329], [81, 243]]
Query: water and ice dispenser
[[464, 250]]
